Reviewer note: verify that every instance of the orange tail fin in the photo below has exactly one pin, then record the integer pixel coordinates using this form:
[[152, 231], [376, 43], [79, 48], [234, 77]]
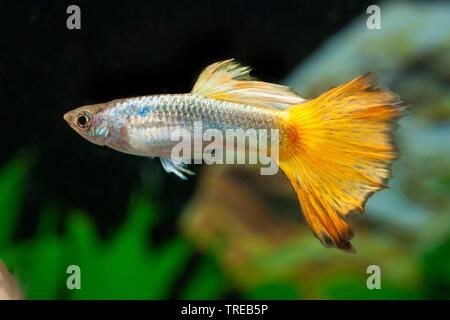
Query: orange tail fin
[[336, 151]]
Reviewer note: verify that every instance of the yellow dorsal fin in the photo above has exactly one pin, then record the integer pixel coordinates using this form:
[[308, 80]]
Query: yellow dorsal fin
[[230, 81]]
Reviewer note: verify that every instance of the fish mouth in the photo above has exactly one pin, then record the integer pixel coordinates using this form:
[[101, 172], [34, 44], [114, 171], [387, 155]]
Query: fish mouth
[[66, 117], [69, 118]]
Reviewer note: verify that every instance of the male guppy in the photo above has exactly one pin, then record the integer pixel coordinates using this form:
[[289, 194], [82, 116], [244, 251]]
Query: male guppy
[[336, 149]]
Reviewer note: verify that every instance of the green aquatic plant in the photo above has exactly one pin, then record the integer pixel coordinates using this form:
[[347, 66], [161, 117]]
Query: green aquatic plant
[[12, 177], [436, 271], [127, 265]]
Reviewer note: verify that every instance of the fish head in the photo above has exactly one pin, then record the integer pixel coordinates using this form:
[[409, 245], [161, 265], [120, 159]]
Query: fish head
[[89, 122]]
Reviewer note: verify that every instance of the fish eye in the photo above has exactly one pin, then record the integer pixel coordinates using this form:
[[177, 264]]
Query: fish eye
[[84, 119]]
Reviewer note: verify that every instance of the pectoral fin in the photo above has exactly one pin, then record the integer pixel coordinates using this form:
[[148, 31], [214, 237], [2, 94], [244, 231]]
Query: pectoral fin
[[177, 168]]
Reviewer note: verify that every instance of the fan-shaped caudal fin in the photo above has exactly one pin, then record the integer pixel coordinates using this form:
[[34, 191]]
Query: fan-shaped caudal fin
[[336, 151]]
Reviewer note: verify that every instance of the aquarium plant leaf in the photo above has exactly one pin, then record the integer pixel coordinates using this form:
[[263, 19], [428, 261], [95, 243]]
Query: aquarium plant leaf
[[12, 177]]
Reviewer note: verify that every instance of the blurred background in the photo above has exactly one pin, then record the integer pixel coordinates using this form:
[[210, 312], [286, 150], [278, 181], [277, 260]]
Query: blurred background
[[139, 233]]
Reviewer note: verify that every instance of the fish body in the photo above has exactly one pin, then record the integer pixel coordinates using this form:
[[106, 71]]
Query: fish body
[[143, 125], [335, 150]]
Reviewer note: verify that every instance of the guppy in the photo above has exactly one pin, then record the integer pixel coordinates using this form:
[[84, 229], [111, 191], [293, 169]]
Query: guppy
[[336, 149]]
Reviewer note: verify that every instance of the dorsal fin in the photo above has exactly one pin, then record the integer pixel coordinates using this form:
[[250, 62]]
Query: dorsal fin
[[230, 81]]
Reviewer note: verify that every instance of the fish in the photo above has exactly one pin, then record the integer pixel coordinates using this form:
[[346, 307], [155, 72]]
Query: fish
[[336, 149]]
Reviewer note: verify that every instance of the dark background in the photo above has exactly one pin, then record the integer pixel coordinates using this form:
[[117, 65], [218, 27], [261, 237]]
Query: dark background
[[129, 48]]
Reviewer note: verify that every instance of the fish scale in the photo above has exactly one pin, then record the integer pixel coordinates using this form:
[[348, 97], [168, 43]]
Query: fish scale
[[166, 113]]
